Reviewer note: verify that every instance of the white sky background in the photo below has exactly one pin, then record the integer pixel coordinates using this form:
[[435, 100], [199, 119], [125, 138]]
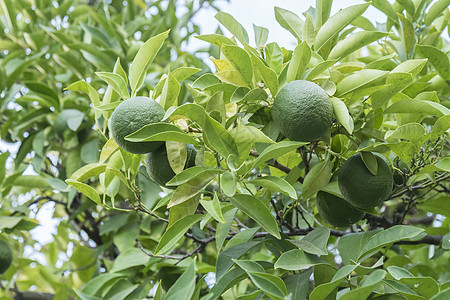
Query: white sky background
[[261, 13]]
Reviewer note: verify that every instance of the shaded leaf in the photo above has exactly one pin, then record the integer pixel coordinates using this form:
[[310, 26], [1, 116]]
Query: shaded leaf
[[143, 59], [255, 209], [175, 232], [297, 259]]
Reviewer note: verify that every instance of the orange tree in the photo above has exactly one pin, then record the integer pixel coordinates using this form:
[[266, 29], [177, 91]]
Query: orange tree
[[358, 211]]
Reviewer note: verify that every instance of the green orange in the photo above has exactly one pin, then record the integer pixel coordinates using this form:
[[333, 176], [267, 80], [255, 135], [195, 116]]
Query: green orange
[[131, 115], [5, 257], [158, 166], [302, 111], [336, 211], [360, 187]]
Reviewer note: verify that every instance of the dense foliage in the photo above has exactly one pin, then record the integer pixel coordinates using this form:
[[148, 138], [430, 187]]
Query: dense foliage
[[243, 222]]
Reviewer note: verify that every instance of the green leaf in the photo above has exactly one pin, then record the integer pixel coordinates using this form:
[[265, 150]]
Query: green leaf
[[231, 77], [425, 286], [275, 184], [315, 242], [351, 245], [130, 258], [118, 69], [229, 184], [217, 136], [3, 157], [191, 173], [83, 86], [289, 21], [57, 184], [275, 151], [366, 286], [444, 164], [412, 66], [190, 188], [443, 295], [336, 23], [323, 9], [240, 61], [230, 279], [274, 57], [359, 80], [245, 137], [117, 83], [396, 81], [309, 31], [224, 260], [268, 75], [354, 42], [261, 35], [437, 58], [87, 190], [407, 35], [438, 205], [183, 73], [143, 59], [403, 289], [404, 150], [318, 69], [370, 161], [439, 128], [176, 155], [435, 10], [44, 91], [297, 259], [230, 23], [88, 171], [215, 39], [242, 236], [169, 93], [259, 212], [9, 222], [419, 107], [389, 236], [298, 285], [175, 232], [273, 286], [224, 228], [413, 132], [249, 266], [9, 12], [299, 62], [84, 296], [321, 292], [184, 287], [317, 178], [386, 8], [213, 208], [342, 116], [94, 285], [161, 132]]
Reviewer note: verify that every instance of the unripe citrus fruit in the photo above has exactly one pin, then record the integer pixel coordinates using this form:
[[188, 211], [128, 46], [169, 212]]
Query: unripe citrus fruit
[[5, 257], [158, 166], [302, 111], [131, 115], [336, 211], [360, 187]]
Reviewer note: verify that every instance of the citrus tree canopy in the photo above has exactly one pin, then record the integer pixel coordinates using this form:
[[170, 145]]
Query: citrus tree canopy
[[245, 170]]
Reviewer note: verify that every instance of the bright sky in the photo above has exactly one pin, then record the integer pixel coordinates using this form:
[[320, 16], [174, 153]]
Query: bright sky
[[261, 13]]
